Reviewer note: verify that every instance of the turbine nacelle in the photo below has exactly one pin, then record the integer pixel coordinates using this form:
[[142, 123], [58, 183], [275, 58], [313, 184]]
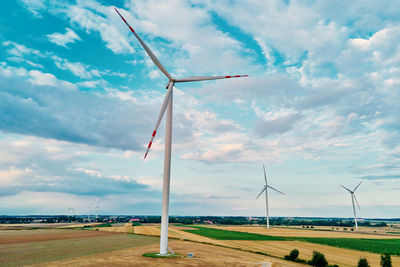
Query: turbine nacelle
[[172, 81]]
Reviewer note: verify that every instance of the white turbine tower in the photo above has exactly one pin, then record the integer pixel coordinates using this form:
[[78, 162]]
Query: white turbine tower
[[266, 186], [353, 197], [97, 210], [167, 103]]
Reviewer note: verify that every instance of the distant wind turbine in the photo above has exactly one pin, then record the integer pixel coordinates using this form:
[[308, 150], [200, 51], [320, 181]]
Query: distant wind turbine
[[266, 186], [88, 216], [167, 103], [97, 209], [353, 197]]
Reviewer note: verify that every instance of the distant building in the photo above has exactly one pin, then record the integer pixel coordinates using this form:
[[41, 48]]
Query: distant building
[[134, 220], [207, 222]]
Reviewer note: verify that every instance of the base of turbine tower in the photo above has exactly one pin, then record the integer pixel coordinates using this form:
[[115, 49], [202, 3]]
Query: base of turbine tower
[[158, 255]]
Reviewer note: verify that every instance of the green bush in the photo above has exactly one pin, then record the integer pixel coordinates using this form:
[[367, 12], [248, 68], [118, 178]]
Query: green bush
[[362, 262], [292, 255], [318, 260], [386, 260]]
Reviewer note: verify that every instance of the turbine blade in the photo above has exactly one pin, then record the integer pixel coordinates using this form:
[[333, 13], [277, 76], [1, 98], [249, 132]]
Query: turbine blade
[[275, 189], [356, 201], [261, 193], [146, 48], [357, 186], [346, 188], [164, 106], [265, 176], [207, 78]]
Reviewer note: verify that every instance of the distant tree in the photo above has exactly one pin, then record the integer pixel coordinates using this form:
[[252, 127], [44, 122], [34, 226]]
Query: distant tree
[[187, 221], [362, 262], [292, 255], [318, 260], [386, 260]]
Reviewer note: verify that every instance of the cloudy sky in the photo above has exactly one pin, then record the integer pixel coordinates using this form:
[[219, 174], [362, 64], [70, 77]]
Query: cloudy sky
[[79, 99]]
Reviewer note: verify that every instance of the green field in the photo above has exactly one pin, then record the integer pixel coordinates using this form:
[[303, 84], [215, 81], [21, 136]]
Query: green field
[[371, 245], [230, 235], [380, 246], [45, 251]]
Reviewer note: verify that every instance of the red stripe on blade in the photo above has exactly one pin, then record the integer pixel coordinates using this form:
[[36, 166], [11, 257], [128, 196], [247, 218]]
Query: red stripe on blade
[[131, 29], [145, 155], [149, 144], [154, 133], [228, 76]]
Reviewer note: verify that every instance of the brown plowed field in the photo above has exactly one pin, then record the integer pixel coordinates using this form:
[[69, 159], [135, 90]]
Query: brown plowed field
[[24, 236], [127, 229], [205, 255]]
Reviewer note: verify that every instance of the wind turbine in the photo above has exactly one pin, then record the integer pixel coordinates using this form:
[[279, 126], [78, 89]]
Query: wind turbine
[[88, 216], [353, 197], [97, 210], [167, 103], [266, 186]]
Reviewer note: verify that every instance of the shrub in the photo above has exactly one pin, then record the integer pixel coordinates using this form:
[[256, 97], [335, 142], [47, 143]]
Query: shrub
[[292, 255], [318, 260], [362, 262], [386, 260]]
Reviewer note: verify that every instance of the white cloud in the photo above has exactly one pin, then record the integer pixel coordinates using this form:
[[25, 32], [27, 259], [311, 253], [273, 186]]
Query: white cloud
[[63, 39], [34, 6], [39, 78], [103, 23]]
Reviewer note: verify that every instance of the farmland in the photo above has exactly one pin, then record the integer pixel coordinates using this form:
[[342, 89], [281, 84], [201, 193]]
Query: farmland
[[364, 232], [213, 245], [370, 245], [105, 246], [28, 247], [345, 252]]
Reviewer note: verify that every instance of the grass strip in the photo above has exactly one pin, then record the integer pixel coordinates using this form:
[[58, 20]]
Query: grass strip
[[157, 255]]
